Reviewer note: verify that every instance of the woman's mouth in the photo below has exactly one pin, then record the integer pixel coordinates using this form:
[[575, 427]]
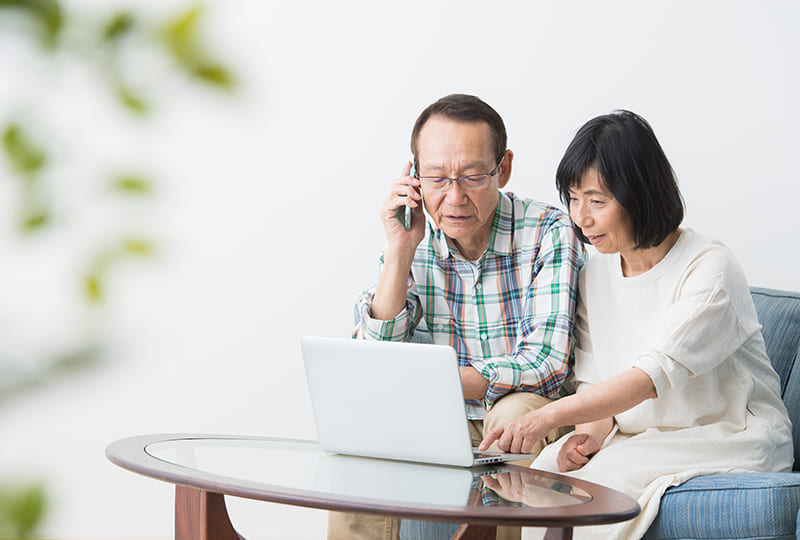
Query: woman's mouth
[[596, 239]]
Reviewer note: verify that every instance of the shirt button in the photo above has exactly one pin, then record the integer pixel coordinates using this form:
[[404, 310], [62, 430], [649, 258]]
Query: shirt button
[[478, 286], [484, 337]]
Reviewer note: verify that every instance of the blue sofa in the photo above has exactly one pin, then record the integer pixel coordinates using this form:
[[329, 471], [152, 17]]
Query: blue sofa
[[731, 506]]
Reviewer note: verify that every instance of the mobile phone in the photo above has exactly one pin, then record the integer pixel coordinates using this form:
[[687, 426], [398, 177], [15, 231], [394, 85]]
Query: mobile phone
[[403, 213]]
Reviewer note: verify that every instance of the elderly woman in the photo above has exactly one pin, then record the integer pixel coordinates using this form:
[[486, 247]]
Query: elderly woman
[[673, 377]]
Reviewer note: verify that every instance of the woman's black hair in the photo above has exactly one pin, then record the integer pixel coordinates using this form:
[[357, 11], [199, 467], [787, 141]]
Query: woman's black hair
[[623, 149]]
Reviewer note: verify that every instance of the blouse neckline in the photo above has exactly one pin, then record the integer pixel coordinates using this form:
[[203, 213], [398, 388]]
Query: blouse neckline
[[660, 267]]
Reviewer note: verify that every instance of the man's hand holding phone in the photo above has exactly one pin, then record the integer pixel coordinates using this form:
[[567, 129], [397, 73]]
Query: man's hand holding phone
[[404, 194], [401, 243]]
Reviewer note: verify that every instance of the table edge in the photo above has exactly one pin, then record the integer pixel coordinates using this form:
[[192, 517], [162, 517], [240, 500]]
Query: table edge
[[129, 453]]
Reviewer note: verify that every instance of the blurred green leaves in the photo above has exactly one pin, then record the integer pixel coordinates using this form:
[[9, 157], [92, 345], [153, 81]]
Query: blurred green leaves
[[21, 508], [67, 363], [27, 159], [47, 14], [113, 46], [181, 36], [23, 155], [134, 185], [94, 282], [118, 25]]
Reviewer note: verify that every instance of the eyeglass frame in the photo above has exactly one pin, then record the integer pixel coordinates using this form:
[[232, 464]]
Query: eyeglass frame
[[460, 179]]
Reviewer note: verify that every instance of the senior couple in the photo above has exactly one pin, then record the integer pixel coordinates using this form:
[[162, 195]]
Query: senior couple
[[669, 363]]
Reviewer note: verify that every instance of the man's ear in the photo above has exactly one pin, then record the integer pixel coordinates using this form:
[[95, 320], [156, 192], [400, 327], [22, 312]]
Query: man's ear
[[505, 170]]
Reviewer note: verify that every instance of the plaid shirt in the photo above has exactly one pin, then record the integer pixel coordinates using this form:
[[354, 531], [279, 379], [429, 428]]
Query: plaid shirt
[[509, 314]]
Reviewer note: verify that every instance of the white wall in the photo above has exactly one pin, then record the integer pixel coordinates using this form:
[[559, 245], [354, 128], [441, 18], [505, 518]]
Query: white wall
[[266, 214]]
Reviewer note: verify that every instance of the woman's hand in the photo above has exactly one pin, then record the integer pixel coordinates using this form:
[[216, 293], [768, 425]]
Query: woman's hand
[[577, 451], [519, 435]]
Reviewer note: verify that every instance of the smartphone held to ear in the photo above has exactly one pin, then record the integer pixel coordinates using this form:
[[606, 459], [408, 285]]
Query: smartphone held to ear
[[403, 213]]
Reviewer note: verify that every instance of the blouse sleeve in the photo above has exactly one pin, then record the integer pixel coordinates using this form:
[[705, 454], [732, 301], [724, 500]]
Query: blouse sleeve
[[702, 327], [586, 374]]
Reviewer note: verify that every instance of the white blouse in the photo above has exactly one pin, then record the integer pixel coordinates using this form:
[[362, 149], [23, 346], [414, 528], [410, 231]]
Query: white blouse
[[690, 324]]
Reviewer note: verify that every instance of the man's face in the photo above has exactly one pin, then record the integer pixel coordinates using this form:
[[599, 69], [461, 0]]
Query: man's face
[[451, 148]]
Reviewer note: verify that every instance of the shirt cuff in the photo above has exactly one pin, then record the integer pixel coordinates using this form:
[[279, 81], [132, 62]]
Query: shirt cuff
[[485, 368], [392, 330], [665, 372]]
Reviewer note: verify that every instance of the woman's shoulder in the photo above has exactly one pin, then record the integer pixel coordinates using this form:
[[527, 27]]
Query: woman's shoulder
[[697, 258], [708, 264], [695, 252]]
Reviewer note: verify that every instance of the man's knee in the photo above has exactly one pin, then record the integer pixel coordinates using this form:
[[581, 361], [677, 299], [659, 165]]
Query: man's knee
[[512, 406], [346, 526]]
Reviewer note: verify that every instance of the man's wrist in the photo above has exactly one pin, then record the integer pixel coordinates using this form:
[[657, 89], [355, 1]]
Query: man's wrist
[[399, 257]]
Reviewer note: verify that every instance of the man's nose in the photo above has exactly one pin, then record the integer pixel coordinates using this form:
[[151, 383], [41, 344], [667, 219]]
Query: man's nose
[[455, 191]]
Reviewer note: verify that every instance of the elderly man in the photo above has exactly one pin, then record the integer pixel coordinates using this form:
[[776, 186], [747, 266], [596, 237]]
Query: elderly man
[[491, 274]]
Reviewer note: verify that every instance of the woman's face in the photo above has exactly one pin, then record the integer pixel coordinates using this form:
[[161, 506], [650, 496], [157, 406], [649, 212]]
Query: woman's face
[[600, 217]]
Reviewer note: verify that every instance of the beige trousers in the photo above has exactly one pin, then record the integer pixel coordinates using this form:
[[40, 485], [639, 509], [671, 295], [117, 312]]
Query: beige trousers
[[345, 526]]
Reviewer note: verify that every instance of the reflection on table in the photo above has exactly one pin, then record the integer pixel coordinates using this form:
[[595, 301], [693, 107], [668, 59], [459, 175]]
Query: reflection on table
[[530, 490], [306, 467]]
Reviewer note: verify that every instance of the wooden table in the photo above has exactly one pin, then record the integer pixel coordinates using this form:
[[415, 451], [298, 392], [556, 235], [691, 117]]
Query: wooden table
[[204, 468]]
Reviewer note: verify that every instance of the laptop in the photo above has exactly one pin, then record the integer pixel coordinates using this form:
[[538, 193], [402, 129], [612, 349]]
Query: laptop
[[400, 401]]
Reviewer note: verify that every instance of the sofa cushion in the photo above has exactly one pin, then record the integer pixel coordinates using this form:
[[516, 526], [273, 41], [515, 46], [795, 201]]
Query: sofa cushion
[[736, 505], [779, 315]]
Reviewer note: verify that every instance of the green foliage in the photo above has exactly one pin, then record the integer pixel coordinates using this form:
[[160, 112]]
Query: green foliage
[[27, 159], [47, 14], [33, 220], [118, 26], [132, 185], [95, 278], [24, 156], [64, 364], [21, 509], [132, 101], [181, 38], [215, 74]]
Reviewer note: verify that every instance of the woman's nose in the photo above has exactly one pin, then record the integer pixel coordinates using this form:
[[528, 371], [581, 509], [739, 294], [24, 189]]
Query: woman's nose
[[579, 214]]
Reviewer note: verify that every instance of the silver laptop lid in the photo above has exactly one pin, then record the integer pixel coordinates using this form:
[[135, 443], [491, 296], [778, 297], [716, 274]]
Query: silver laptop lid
[[387, 400]]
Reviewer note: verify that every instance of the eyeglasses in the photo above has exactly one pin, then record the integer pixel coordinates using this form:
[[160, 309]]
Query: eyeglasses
[[470, 181]]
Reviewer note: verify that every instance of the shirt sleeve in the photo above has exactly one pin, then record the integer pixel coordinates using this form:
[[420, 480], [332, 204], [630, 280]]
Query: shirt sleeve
[[702, 327], [400, 328], [540, 361]]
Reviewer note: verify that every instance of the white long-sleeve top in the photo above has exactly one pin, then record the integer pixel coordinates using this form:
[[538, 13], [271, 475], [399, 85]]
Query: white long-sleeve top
[[690, 324]]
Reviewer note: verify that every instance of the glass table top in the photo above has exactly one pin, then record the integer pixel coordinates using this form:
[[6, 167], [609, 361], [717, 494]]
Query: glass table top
[[305, 466]]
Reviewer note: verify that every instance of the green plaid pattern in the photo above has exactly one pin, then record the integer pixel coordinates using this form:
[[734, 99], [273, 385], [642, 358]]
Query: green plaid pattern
[[509, 314]]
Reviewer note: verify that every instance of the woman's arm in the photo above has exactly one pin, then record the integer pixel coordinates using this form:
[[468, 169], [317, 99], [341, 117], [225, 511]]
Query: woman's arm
[[600, 402]]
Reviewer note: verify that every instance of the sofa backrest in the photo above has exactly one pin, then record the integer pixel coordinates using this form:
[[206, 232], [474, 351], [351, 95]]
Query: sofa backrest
[[779, 315]]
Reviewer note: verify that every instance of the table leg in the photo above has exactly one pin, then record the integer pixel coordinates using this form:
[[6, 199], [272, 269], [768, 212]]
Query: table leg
[[201, 515], [558, 533], [475, 532], [489, 532]]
